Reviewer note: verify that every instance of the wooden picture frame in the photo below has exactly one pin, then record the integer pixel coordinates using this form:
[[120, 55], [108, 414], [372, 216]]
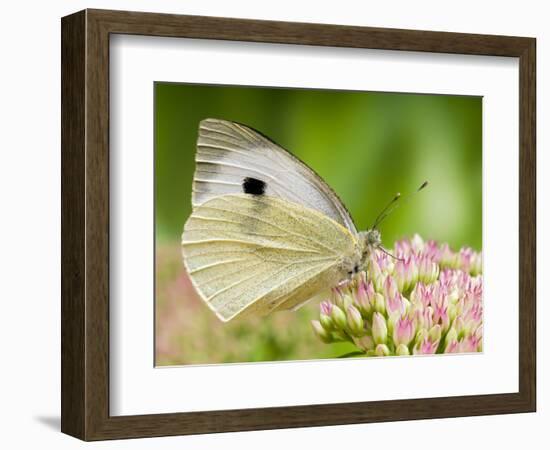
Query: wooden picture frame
[[85, 224]]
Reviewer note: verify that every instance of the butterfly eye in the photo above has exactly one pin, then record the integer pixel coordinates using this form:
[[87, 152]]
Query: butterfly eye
[[253, 186]]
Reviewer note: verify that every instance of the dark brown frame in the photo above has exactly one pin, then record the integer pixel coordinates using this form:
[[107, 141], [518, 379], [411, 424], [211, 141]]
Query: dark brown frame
[[85, 224]]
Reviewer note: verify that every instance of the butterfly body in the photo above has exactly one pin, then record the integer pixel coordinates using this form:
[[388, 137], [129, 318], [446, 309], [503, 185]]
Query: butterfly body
[[266, 232]]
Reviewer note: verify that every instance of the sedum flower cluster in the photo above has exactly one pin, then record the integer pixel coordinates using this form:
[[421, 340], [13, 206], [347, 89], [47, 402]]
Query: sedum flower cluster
[[428, 300]]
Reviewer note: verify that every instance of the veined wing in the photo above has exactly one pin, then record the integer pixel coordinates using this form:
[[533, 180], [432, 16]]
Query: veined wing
[[228, 154], [250, 254]]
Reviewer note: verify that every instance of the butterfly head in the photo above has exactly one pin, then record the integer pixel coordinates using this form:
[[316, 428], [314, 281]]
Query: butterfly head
[[372, 238], [369, 241]]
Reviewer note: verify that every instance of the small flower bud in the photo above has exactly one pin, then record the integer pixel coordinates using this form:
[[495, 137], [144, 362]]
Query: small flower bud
[[337, 296], [455, 261], [326, 322], [375, 274], [452, 298], [406, 305], [435, 333], [446, 256], [321, 333], [391, 320], [365, 343], [325, 308], [452, 335], [338, 317], [459, 326], [452, 312], [466, 256], [417, 243], [479, 332], [428, 317], [379, 303], [400, 275], [416, 294], [355, 321], [324, 316], [379, 328], [382, 350], [477, 264], [421, 335], [452, 344], [370, 292], [347, 301], [362, 299], [402, 350]]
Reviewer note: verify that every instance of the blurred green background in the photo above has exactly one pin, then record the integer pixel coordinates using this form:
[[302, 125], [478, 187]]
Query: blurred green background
[[366, 145]]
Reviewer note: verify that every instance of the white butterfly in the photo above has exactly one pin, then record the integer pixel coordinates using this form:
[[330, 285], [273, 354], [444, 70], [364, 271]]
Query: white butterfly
[[266, 232]]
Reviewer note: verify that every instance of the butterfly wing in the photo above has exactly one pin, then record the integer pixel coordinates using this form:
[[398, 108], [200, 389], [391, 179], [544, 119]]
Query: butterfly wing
[[251, 254], [229, 154]]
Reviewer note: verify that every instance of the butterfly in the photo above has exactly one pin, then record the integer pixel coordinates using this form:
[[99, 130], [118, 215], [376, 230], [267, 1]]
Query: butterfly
[[266, 232]]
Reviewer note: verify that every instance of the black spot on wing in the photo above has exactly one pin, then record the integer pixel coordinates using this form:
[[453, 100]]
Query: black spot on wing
[[253, 186]]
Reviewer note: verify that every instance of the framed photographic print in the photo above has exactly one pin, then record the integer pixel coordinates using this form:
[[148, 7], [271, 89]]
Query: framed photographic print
[[271, 224]]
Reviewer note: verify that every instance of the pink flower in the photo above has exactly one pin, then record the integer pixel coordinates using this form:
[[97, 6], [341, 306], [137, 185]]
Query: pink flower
[[425, 347], [384, 262], [390, 287], [430, 301], [440, 314], [405, 273], [428, 270], [326, 308], [452, 347], [395, 304], [422, 294], [470, 344], [431, 250], [364, 295], [403, 331]]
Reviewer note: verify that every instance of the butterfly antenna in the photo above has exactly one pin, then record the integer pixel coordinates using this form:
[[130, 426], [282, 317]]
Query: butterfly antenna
[[383, 250], [378, 218], [390, 207]]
